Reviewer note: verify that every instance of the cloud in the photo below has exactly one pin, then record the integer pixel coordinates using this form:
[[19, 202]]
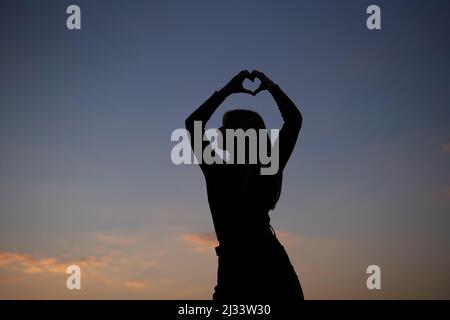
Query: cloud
[[445, 148], [133, 284], [201, 242], [28, 264], [9, 257], [101, 274], [115, 240]]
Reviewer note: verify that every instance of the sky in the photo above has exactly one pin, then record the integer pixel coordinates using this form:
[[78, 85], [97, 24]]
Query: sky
[[86, 117]]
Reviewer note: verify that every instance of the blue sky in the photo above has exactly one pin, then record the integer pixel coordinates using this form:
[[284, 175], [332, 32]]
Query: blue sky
[[86, 118]]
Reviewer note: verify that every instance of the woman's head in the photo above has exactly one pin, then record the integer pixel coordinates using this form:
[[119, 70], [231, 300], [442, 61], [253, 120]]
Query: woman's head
[[252, 179], [242, 119]]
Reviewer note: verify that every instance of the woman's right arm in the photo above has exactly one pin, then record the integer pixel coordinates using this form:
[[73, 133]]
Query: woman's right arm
[[289, 112], [292, 124], [207, 109]]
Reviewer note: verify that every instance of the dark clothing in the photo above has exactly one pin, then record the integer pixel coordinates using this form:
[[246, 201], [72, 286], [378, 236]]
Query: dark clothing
[[253, 263], [260, 271]]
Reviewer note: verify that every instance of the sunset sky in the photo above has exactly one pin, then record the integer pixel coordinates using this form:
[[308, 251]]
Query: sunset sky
[[86, 117]]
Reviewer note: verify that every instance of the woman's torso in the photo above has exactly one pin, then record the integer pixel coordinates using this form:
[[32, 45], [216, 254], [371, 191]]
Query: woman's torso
[[240, 199]]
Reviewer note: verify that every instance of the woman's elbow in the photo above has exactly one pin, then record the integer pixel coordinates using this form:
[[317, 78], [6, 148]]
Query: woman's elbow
[[297, 119], [189, 122]]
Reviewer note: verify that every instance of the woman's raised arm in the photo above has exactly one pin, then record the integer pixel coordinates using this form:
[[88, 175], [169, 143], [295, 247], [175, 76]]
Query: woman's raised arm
[[290, 114], [207, 109]]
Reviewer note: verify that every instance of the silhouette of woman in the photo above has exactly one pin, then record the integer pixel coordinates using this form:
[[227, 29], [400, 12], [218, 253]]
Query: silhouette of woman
[[252, 262]]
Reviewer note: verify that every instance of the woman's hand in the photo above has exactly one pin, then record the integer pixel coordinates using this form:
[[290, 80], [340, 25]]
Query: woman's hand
[[235, 84], [266, 83]]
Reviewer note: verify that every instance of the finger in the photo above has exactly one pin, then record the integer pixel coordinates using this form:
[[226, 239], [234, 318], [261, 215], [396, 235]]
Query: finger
[[246, 74], [239, 75], [261, 76], [257, 91], [256, 73], [247, 91], [260, 88]]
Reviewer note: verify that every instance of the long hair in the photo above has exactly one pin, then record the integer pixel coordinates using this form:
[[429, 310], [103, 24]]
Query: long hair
[[247, 119]]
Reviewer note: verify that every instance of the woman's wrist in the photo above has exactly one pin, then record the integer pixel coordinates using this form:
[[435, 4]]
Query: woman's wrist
[[272, 86]]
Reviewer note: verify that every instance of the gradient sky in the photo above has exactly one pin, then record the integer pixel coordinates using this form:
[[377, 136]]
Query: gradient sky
[[86, 118]]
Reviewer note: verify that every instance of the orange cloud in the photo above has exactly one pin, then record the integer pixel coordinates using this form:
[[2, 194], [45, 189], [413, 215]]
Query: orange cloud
[[26, 263], [445, 148], [9, 257], [201, 242], [133, 284]]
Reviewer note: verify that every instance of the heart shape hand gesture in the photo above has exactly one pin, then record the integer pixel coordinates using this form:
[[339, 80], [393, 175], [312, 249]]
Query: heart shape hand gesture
[[236, 85]]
